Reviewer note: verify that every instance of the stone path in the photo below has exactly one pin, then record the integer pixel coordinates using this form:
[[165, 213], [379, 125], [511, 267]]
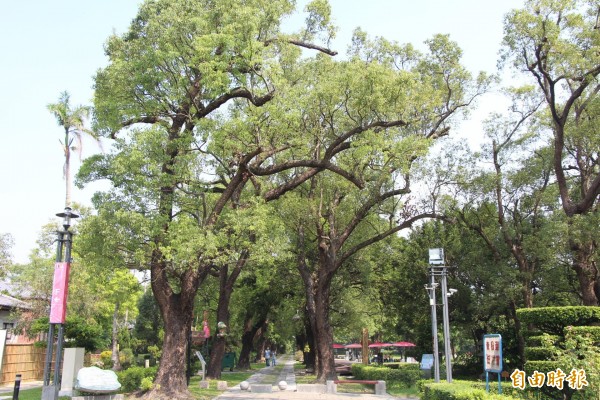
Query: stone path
[[267, 376]]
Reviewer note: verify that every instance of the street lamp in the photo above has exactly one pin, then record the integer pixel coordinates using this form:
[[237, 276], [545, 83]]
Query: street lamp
[[436, 362], [58, 305], [437, 267]]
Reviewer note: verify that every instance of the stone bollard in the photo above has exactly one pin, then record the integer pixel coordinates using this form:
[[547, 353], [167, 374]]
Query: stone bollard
[[380, 388], [221, 385], [331, 387], [204, 384]]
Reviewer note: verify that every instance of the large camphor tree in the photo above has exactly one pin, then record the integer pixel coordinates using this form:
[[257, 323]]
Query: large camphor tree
[[172, 97], [384, 107], [557, 45]]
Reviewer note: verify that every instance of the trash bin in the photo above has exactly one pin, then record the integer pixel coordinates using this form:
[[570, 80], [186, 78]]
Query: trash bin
[[228, 361]]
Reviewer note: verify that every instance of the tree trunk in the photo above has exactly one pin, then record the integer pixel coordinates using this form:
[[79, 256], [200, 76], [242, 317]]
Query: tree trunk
[[177, 312], [171, 380], [324, 340], [250, 331], [226, 282], [310, 361], [67, 171], [115, 339], [587, 273]]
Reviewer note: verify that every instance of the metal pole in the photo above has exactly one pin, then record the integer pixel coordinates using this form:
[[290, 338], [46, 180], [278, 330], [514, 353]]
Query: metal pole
[[447, 348], [17, 387], [50, 391], [434, 333]]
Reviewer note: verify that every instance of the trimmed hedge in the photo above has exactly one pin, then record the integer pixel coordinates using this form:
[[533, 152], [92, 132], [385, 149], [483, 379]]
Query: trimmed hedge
[[540, 353], [554, 319], [402, 376], [459, 390], [537, 340], [591, 331], [542, 366]]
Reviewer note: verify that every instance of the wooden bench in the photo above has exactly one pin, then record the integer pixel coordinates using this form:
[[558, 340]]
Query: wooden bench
[[379, 385]]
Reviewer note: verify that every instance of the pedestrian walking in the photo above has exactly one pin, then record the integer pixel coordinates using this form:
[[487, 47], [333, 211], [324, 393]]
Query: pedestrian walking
[[268, 356]]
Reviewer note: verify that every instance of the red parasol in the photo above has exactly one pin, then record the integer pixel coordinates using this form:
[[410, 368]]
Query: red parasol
[[353, 346], [338, 346], [380, 344], [403, 344]]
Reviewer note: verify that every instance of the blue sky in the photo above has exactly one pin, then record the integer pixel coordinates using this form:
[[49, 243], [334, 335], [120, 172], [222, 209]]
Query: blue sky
[[51, 46]]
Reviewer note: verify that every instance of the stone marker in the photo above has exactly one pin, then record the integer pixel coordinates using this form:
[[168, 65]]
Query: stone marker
[[261, 388], [96, 380]]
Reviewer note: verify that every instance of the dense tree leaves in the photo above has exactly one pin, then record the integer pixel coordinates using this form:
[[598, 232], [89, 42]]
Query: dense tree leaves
[[556, 45]]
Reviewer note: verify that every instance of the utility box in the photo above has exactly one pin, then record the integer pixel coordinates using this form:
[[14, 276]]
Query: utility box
[[228, 361]]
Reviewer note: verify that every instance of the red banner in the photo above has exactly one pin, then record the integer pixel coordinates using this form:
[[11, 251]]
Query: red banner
[[60, 290]]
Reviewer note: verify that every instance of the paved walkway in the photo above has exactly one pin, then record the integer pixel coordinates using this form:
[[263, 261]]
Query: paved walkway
[[267, 376]]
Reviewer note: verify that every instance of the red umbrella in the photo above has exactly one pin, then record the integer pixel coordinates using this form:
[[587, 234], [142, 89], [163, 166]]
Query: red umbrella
[[379, 344], [353, 346], [338, 346], [403, 344]]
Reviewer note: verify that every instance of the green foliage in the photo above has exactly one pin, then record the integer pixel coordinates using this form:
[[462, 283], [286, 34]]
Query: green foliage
[[539, 353], [458, 390], [126, 358], [79, 332], [131, 378], [554, 319], [106, 358], [405, 376], [155, 352], [147, 383], [148, 324], [593, 332]]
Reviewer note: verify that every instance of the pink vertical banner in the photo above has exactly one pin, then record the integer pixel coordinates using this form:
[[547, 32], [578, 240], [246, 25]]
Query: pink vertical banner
[[60, 290]]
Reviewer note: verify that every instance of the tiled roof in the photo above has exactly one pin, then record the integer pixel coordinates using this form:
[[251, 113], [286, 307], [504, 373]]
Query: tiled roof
[[8, 301]]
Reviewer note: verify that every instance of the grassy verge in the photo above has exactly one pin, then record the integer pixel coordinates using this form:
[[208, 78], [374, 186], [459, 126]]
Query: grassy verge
[[33, 394]]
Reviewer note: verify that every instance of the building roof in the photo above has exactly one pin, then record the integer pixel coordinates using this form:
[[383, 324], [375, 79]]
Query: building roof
[[10, 302]]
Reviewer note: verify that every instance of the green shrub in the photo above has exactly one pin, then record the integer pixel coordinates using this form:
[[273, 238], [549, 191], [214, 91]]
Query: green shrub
[[554, 319], [146, 383], [131, 378], [541, 366], [593, 332], [403, 376], [126, 358], [541, 340], [540, 353], [458, 390], [106, 358]]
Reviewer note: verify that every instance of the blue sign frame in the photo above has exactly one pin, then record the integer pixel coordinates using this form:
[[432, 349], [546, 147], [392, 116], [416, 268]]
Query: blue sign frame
[[492, 351]]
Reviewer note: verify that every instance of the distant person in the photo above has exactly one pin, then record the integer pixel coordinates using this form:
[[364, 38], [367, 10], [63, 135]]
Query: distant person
[[268, 356], [274, 357]]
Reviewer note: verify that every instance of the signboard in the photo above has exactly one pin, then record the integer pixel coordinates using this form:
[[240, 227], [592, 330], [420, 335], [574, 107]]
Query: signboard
[[60, 290], [202, 362], [492, 358], [492, 353], [427, 361]]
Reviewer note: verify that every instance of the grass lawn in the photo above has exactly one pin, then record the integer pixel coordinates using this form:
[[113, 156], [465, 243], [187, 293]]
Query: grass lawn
[[33, 394]]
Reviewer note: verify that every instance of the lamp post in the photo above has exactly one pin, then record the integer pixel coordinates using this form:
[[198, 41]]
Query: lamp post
[[438, 268], [436, 362], [58, 305]]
